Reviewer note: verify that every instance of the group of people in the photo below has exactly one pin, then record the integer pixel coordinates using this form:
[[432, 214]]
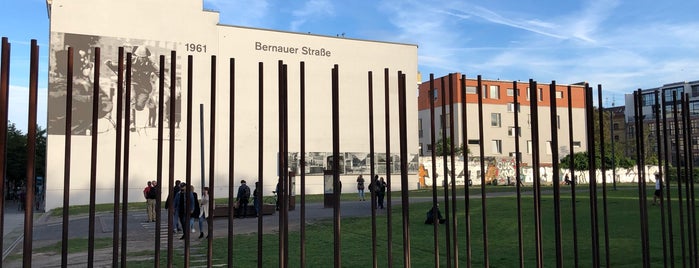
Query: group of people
[[378, 185], [198, 207]]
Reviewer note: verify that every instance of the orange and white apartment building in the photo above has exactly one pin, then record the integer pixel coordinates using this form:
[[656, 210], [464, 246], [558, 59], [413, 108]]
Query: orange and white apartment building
[[498, 118]]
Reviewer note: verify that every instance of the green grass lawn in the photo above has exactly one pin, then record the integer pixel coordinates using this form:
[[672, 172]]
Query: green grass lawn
[[624, 235]]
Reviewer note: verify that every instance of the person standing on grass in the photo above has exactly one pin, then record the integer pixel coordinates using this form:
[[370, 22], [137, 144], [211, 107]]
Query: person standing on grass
[[380, 191], [658, 193], [243, 199], [360, 187], [196, 211]]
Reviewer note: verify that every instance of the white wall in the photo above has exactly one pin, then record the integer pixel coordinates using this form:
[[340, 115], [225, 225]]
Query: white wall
[[177, 23]]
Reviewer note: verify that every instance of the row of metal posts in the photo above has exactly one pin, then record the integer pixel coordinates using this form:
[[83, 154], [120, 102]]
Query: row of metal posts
[[451, 230]]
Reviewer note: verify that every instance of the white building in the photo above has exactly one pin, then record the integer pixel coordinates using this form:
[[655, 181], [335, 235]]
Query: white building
[[152, 28]]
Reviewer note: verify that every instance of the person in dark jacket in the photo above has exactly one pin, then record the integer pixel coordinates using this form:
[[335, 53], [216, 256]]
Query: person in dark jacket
[[181, 208], [243, 198]]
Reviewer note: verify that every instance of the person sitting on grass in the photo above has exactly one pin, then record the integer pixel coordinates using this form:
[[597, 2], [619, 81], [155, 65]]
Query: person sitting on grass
[[430, 215]]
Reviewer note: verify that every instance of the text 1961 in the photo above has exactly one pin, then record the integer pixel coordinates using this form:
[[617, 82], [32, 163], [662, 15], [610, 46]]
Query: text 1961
[[195, 47]]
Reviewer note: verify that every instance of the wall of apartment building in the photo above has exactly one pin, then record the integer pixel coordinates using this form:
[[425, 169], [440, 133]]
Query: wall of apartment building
[[498, 119]]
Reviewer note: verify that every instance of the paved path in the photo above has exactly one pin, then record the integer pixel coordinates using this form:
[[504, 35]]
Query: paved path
[[141, 234]]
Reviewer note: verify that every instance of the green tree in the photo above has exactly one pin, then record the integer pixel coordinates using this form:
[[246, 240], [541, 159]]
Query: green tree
[[17, 154], [441, 147]]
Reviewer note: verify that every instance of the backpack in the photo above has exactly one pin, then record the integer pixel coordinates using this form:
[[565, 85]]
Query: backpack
[[246, 193], [152, 193]]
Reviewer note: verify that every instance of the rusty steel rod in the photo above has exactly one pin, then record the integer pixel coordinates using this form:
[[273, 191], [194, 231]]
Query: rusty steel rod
[[435, 221], [336, 165], [127, 139], [389, 158], [484, 220], [467, 194], [603, 168], [686, 124], [679, 175], [171, 158], [692, 224], [374, 258], [642, 179], [260, 151], [4, 102], [518, 180], [536, 159], [117, 158], [302, 162], [231, 167], [445, 184], [159, 157], [571, 166], [405, 206], [656, 112], [66, 163], [638, 120], [556, 175], [212, 161], [188, 162], [93, 160], [452, 219], [667, 187], [594, 233], [31, 154]]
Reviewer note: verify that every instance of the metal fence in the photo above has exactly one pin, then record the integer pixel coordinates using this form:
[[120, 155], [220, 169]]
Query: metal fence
[[457, 231]]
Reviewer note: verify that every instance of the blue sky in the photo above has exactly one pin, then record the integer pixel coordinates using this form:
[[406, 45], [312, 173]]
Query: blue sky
[[623, 45]]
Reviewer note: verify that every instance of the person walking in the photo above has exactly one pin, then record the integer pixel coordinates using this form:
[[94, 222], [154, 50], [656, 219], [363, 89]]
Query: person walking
[[204, 211], [360, 188], [170, 202], [243, 197], [380, 191], [658, 192], [195, 213], [182, 208]]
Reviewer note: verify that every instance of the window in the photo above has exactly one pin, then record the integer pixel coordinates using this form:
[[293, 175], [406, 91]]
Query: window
[[474, 142], [419, 127], [444, 121], [495, 92], [495, 119], [528, 93], [497, 146], [470, 90], [510, 92], [484, 91], [548, 147], [541, 94], [429, 147], [695, 90], [511, 107], [511, 131], [616, 137], [576, 144], [517, 156], [558, 121], [530, 148], [559, 94], [616, 126]]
